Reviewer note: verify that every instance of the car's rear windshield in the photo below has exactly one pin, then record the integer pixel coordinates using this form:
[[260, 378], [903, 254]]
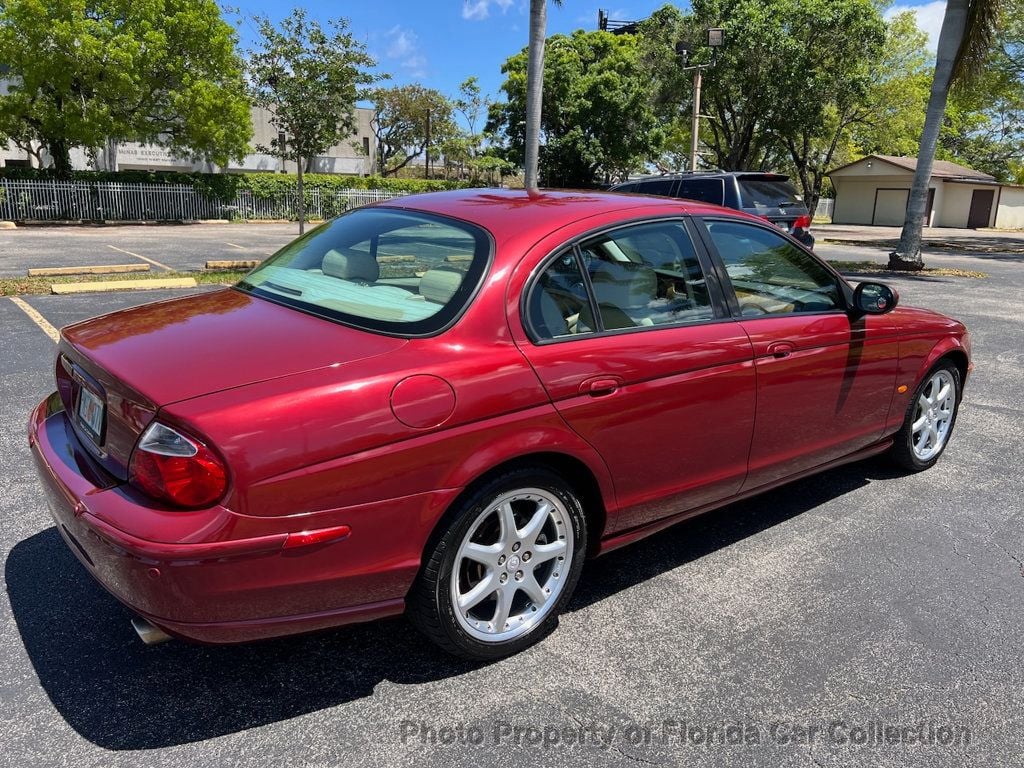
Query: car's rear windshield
[[395, 271], [768, 193]]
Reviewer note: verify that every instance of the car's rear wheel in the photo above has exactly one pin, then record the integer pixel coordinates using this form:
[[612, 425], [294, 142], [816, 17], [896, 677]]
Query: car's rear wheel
[[929, 420], [505, 567]]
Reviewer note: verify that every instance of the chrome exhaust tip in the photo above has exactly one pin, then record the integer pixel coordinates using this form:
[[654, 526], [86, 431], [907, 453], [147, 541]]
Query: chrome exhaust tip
[[147, 633]]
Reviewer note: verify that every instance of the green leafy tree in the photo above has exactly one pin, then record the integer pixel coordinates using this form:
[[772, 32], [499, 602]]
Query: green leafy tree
[[158, 71], [466, 143], [597, 120], [410, 120], [983, 126], [830, 56], [965, 43], [892, 115], [309, 80], [783, 90]]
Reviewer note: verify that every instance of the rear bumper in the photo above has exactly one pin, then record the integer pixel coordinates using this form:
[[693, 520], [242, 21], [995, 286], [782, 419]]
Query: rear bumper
[[215, 576]]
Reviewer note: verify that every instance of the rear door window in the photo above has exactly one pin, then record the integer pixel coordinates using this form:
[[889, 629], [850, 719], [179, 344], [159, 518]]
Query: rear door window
[[767, 193], [663, 187], [703, 190], [645, 275]]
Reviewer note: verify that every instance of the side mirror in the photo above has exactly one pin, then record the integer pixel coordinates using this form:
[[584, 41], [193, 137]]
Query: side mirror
[[874, 298]]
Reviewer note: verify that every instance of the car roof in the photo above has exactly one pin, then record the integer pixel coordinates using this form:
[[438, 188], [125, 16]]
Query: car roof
[[756, 175], [507, 212]]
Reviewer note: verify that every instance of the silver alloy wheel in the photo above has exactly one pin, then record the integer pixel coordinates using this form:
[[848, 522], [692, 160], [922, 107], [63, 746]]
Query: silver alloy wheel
[[512, 565], [933, 415]]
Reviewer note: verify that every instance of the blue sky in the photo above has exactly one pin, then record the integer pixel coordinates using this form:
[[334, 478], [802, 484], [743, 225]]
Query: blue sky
[[441, 43]]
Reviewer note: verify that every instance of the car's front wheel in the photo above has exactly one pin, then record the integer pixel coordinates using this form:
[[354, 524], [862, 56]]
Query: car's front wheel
[[929, 419], [505, 567]]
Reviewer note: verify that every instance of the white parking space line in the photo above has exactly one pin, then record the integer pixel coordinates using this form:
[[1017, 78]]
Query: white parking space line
[[37, 318], [239, 247], [140, 256]]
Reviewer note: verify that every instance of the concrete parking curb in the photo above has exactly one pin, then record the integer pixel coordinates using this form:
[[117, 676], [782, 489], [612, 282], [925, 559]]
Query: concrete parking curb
[[8, 225], [123, 285], [97, 270], [233, 264]]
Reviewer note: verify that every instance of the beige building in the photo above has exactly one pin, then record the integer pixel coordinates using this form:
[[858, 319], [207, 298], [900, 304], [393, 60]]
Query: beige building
[[875, 189], [352, 157]]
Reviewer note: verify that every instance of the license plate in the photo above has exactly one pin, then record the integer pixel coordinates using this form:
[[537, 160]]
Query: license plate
[[90, 412]]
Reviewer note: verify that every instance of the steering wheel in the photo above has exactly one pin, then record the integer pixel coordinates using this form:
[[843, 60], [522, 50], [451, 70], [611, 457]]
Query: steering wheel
[[752, 310]]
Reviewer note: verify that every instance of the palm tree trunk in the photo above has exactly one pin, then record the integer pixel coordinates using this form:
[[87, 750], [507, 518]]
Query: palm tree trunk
[[954, 23], [534, 89]]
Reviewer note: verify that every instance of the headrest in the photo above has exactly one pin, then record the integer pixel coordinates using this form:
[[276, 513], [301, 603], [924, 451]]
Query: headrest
[[440, 284], [354, 265]]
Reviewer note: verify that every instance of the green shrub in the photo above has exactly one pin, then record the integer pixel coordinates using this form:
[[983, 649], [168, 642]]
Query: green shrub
[[225, 186]]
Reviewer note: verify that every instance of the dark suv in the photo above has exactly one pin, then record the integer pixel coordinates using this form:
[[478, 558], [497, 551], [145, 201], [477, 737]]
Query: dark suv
[[768, 195]]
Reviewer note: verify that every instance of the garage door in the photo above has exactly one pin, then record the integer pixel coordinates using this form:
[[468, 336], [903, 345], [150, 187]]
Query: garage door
[[890, 207]]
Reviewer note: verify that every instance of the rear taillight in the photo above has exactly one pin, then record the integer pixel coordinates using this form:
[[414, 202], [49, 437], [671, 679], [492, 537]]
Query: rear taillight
[[175, 468], [802, 222]]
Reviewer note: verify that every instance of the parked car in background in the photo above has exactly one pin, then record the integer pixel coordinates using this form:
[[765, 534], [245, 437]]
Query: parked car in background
[[770, 196], [442, 404]]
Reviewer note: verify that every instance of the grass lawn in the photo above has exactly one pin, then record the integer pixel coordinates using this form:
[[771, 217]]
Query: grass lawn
[[16, 286]]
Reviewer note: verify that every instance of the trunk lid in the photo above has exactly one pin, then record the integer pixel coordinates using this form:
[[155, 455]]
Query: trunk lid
[[114, 372]]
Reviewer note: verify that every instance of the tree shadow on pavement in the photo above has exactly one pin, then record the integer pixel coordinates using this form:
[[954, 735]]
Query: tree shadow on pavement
[[121, 695]]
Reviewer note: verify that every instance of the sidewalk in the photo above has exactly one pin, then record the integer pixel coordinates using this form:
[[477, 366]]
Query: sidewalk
[[935, 238]]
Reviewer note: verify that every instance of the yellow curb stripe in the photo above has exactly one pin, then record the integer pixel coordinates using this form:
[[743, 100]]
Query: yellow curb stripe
[[154, 262], [36, 318], [123, 285], [98, 270]]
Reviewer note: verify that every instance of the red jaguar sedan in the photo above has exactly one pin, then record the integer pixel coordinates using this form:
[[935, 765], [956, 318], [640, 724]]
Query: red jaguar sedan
[[442, 404]]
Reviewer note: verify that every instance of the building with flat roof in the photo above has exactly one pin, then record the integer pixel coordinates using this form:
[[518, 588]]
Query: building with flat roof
[[354, 156]]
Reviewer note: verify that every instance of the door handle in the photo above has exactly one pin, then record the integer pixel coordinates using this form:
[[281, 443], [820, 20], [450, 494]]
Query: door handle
[[781, 349], [604, 385]]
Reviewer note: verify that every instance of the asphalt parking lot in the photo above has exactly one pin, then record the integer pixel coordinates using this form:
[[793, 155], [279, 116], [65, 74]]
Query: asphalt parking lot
[[857, 598], [164, 247]]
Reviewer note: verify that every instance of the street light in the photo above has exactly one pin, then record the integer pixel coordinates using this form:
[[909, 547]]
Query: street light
[[715, 40]]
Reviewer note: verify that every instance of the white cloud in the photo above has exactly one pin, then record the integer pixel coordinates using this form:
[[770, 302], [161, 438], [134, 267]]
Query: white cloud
[[477, 10], [403, 46], [929, 18]]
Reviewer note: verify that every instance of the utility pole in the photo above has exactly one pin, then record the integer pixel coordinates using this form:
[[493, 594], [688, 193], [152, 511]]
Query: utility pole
[[715, 39], [426, 161], [695, 122]]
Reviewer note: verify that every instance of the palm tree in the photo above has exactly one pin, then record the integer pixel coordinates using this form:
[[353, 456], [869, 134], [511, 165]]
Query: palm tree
[[964, 41], [535, 87]]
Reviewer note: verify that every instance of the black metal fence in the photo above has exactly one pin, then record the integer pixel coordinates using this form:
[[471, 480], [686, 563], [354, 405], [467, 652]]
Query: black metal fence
[[38, 200]]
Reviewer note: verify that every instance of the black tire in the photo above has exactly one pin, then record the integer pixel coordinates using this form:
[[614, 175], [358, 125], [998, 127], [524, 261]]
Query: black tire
[[902, 451], [429, 604]]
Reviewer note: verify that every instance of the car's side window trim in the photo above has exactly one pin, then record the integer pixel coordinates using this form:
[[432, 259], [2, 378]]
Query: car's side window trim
[[716, 288], [533, 284], [719, 307], [700, 224], [595, 310]]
